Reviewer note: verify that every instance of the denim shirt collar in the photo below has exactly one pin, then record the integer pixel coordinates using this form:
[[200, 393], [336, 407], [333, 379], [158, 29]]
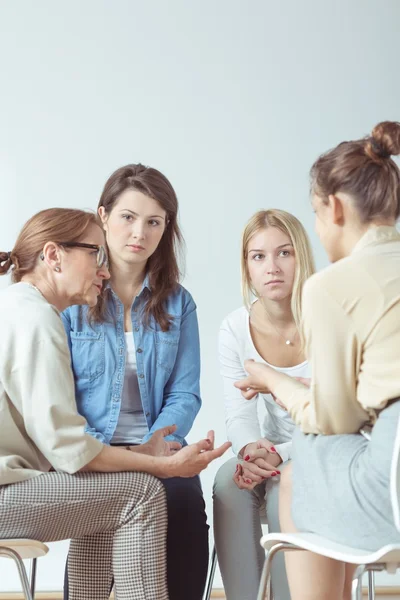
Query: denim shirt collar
[[145, 285]]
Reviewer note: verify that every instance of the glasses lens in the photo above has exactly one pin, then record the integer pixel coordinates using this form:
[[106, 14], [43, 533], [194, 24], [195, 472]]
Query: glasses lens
[[101, 257]]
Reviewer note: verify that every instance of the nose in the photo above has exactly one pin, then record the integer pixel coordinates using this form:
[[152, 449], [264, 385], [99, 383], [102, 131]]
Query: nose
[[272, 267], [139, 229], [103, 272]]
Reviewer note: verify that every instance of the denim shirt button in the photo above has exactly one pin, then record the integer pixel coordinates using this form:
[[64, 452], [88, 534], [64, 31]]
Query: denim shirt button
[[147, 414], [137, 329], [141, 375], [139, 350]]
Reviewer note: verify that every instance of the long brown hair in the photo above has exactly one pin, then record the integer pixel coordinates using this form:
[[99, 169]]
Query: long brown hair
[[162, 267], [364, 170], [52, 225]]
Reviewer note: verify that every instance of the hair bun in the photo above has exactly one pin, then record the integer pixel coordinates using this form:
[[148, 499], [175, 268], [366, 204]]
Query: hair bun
[[385, 139], [5, 262]]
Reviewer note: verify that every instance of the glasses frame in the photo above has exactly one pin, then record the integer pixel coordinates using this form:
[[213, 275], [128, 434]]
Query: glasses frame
[[102, 258]]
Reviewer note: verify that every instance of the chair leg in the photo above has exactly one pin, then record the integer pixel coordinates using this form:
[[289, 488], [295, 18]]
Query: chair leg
[[266, 572], [211, 575], [356, 588], [371, 585], [9, 553], [33, 577]]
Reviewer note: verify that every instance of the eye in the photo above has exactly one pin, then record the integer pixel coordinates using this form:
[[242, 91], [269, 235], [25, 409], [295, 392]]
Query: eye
[[127, 217], [284, 253], [154, 222], [257, 256]]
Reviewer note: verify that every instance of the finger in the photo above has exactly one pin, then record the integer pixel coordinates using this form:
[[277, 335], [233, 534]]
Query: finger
[[267, 445], [243, 384], [211, 437], [168, 430], [174, 446], [255, 470], [254, 454], [217, 452], [248, 475], [249, 394]]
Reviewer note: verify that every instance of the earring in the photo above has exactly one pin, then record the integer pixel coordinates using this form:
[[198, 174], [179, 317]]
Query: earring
[[57, 269]]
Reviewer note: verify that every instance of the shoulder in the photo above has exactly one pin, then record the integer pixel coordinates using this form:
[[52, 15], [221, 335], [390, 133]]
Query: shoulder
[[236, 322], [27, 319], [180, 302]]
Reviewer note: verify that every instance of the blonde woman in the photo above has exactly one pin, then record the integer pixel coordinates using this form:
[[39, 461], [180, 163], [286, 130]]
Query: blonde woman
[[276, 261]]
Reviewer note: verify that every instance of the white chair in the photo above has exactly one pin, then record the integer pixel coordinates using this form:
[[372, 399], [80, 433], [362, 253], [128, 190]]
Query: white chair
[[19, 549], [214, 559], [386, 558]]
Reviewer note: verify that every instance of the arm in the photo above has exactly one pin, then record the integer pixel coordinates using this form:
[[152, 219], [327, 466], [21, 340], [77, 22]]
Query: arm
[[241, 416], [182, 393]]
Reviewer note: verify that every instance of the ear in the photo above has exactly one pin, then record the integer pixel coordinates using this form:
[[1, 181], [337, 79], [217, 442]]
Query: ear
[[52, 255], [103, 216], [336, 208]]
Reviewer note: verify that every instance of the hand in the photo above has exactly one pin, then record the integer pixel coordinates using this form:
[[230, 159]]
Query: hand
[[157, 445], [261, 460], [257, 380], [193, 459]]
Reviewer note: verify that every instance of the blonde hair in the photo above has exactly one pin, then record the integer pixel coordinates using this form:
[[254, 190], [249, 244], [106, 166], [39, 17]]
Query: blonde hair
[[305, 266]]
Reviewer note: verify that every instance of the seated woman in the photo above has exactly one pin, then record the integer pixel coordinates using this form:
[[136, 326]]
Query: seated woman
[[136, 355], [276, 261], [56, 481], [341, 482]]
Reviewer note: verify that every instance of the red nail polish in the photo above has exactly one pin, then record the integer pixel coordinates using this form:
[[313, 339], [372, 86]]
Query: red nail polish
[[278, 472], [248, 480], [274, 473], [237, 468], [273, 449], [247, 457]]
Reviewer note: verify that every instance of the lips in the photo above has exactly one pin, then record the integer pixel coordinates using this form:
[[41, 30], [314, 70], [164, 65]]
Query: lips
[[99, 286], [274, 281], [135, 247]]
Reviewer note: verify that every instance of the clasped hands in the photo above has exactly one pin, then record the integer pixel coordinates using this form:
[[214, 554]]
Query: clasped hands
[[260, 461]]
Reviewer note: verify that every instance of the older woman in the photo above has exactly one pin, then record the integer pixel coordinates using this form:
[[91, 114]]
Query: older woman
[[56, 481]]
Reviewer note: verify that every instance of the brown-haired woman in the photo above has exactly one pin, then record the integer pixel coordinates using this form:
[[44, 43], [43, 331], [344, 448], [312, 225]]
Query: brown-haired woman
[[136, 356], [351, 312], [56, 481]]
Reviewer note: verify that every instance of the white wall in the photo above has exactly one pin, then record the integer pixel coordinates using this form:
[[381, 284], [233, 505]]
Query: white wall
[[233, 100]]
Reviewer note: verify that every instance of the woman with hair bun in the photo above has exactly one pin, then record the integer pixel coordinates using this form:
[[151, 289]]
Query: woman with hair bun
[[351, 312]]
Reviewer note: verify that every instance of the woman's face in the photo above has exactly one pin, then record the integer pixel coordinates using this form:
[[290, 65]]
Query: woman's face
[[82, 277], [271, 263], [134, 227]]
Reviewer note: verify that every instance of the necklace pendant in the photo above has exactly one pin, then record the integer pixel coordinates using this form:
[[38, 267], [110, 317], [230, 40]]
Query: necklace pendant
[[288, 343]]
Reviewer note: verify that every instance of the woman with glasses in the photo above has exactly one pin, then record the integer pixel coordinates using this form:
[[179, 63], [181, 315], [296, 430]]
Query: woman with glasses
[[57, 481], [136, 357]]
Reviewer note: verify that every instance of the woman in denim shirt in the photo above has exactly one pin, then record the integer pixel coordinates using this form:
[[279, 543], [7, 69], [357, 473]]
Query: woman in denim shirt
[[136, 356]]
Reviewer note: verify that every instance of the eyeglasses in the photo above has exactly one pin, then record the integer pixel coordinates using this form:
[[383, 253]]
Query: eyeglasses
[[101, 256]]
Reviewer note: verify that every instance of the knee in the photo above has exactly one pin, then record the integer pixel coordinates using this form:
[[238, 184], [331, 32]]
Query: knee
[[185, 499], [149, 488]]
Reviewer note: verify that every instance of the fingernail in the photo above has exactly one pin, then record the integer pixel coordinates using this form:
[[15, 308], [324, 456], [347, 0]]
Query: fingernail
[[274, 473], [247, 457], [273, 449], [248, 480], [278, 472], [207, 440], [237, 468]]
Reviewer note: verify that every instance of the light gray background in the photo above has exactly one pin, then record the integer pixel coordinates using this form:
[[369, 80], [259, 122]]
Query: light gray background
[[232, 100]]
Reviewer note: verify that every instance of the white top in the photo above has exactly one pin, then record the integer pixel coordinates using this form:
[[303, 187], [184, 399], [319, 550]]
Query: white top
[[132, 425], [243, 417], [39, 423]]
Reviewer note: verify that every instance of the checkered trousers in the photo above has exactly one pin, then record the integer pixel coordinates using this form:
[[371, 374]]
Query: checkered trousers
[[117, 522]]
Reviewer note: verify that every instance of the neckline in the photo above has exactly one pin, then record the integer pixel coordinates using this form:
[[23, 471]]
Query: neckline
[[259, 357]]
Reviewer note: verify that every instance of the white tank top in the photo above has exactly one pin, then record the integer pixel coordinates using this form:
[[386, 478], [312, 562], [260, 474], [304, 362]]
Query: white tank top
[[132, 425]]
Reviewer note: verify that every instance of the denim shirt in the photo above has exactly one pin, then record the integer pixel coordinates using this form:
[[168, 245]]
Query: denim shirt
[[168, 365]]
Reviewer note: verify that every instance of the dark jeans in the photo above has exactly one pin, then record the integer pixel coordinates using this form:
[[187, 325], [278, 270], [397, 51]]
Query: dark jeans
[[187, 540]]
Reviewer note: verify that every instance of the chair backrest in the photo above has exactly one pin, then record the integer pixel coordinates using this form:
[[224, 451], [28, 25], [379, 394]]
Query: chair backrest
[[395, 479]]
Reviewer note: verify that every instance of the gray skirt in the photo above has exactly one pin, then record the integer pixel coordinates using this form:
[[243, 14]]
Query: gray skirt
[[341, 484]]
